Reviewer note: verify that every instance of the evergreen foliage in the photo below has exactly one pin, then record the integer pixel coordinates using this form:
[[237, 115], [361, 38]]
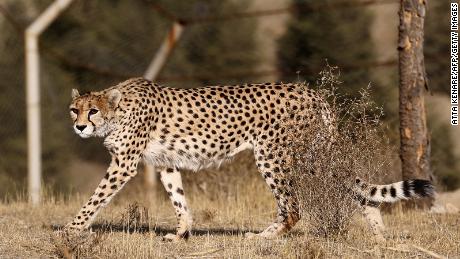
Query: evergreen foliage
[[340, 37]]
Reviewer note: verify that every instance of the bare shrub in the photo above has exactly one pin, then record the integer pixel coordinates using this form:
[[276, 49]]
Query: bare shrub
[[76, 245], [68, 244], [324, 164], [207, 215], [134, 218]]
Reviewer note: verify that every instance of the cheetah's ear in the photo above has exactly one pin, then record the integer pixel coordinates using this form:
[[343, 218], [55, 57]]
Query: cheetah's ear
[[75, 93], [114, 97]]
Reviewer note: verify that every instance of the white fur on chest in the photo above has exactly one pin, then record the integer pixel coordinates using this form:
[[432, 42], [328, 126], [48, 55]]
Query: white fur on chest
[[159, 155]]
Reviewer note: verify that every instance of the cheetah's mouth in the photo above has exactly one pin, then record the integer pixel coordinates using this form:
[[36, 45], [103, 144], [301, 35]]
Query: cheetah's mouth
[[86, 133], [83, 135]]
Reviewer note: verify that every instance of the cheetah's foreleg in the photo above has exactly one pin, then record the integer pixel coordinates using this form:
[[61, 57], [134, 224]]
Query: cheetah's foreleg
[[172, 181], [118, 174]]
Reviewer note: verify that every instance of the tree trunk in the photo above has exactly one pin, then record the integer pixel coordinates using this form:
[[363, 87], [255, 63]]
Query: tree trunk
[[415, 141]]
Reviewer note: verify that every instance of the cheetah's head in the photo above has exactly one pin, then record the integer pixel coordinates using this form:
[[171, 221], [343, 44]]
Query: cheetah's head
[[93, 112]]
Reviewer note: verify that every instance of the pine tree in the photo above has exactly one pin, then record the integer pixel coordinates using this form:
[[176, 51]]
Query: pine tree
[[340, 36]]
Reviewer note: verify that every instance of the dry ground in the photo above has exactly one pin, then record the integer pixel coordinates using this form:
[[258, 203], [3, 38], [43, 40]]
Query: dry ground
[[223, 213]]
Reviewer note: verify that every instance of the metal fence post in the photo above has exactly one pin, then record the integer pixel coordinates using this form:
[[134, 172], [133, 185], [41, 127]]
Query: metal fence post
[[32, 35]]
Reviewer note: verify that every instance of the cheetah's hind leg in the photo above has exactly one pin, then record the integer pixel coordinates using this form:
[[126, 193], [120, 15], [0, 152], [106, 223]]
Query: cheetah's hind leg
[[288, 212], [374, 219]]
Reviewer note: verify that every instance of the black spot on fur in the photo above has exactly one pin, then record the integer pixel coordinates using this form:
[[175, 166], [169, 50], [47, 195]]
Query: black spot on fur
[[393, 192], [374, 204], [384, 192], [406, 189], [373, 191], [422, 188]]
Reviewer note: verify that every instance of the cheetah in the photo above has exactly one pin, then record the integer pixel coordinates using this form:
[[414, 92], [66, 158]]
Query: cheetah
[[175, 129]]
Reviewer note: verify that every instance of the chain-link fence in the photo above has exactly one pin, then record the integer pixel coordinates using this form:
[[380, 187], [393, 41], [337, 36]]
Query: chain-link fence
[[13, 164], [95, 44]]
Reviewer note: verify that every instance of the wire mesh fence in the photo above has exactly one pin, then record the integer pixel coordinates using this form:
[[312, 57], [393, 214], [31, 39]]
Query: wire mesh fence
[[95, 44], [12, 113]]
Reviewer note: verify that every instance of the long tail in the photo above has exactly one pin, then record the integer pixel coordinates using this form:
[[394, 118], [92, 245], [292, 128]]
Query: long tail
[[393, 192]]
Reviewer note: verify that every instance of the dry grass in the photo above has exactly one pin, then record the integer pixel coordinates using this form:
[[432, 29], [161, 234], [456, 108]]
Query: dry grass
[[219, 228]]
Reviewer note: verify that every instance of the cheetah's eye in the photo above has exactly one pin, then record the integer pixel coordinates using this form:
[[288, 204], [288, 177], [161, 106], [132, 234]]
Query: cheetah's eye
[[74, 110], [93, 111]]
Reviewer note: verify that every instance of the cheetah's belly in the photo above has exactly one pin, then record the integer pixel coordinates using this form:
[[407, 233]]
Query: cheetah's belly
[[159, 155], [240, 148]]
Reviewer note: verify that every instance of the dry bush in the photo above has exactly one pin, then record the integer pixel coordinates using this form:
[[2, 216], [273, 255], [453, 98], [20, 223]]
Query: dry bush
[[67, 244], [73, 245], [323, 170], [134, 218]]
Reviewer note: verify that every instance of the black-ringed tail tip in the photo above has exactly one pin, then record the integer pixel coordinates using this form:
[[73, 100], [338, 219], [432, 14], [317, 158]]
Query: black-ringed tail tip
[[403, 190]]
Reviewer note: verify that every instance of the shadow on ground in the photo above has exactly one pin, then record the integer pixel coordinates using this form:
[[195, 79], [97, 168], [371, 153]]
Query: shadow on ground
[[161, 230]]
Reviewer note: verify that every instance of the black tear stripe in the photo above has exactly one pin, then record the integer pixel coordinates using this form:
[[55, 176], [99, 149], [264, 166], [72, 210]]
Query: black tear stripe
[[94, 125], [406, 189], [384, 191], [393, 192]]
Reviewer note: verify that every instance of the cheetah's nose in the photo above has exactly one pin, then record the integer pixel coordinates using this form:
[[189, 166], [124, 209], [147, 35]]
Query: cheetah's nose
[[80, 127]]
